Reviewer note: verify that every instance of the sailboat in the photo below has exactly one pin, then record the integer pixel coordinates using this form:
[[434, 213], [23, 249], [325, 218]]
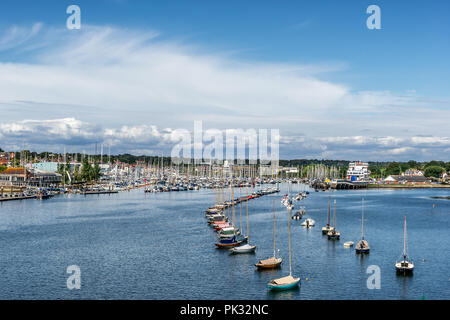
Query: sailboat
[[245, 248], [272, 262], [289, 281], [328, 227], [362, 246], [334, 234], [404, 266], [233, 240]]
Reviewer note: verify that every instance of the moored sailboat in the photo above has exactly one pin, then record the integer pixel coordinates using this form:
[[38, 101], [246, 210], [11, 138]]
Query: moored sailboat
[[288, 282], [328, 227], [334, 234], [404, 266], [245, 248], [272, 262], [362, 246]]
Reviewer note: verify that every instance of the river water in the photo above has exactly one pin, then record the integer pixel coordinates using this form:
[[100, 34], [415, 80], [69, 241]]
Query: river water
[[134, 245]]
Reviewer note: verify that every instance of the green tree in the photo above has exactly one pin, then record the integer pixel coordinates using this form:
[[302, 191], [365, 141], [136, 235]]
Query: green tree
[[86, 170], [435, 163], [393, 168], [433, 171]]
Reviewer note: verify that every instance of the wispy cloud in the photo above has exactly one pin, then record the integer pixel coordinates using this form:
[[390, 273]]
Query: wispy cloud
[[122, 82]]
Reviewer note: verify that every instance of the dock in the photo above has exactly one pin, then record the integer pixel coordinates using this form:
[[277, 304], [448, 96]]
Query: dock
[[100, 192], [16, 198]]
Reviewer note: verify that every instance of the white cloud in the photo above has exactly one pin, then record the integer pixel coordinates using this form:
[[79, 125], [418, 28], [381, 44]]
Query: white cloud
[[122, 85]]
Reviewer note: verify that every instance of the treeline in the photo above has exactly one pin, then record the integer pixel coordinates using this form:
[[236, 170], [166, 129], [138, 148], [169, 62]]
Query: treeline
[[86, 173], [432, 169]]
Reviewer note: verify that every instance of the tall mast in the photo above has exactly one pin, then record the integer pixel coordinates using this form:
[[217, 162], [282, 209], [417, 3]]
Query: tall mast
[[404, 241], [329, 211], [274, 228], [289, 228], [362, 220], [248, 228], [240, 206], [232, 203], [334, 214]]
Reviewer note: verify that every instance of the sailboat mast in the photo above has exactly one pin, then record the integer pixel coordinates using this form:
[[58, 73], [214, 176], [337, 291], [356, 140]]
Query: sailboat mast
[[274, 228], [404, 241], [334, 214], [240, 206], [362, 220], [329, 211], [232, 204], [289, 228], [248, 227]]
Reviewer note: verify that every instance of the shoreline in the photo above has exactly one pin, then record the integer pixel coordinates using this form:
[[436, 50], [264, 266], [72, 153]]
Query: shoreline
[[404, 186]]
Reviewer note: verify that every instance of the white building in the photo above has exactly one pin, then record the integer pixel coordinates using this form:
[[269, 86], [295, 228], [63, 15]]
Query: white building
[[358, 171]]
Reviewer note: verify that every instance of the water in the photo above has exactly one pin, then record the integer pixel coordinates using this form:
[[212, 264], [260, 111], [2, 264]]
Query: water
[[133, 245]]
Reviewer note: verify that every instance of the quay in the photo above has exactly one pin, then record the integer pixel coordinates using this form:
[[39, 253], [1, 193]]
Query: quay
[[17, 198], [100, 192], [341, 184]]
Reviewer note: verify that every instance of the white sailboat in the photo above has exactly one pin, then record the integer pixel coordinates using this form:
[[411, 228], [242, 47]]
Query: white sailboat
[[328, 227], [289, 281], [362, 246], [404, 266], [247, 247], [333, 234], [308, 223]]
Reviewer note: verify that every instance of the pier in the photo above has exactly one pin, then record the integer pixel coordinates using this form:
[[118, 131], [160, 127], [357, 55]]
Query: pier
[[341, 184]]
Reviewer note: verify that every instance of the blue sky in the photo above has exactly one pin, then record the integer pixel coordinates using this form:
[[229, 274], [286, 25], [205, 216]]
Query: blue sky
[[338, 78]]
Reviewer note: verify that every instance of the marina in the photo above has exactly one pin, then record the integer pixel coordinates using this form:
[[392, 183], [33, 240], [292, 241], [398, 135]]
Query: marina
[[127, 245]]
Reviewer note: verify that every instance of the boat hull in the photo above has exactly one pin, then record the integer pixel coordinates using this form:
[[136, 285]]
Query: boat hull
[[274, 265], [245, 249], [283, 287]]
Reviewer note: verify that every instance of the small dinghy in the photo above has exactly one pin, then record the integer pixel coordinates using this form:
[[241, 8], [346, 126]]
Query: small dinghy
[[245, 248], [348, 244], [308, 223], [297, 216]]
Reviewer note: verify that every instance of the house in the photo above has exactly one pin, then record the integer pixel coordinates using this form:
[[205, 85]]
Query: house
[[14, 176], [5, 158], [21, 177], [406, 179], [413, 172], [445, 177]]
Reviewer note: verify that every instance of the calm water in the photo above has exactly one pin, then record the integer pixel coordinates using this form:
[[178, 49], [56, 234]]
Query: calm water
[[133, 245]]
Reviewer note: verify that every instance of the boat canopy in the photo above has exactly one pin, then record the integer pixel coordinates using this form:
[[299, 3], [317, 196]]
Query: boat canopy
[[285, 280]]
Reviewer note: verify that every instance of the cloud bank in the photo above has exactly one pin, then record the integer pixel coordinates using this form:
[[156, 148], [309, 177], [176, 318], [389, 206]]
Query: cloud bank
[[67, 87]]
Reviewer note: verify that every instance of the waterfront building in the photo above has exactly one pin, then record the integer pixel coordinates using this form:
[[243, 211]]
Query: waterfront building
[[21, 177], [358, 171], [52, 166], [406, 179], [14, 176]]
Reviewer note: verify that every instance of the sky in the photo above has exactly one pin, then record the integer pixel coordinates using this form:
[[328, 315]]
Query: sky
[[138, 71]]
